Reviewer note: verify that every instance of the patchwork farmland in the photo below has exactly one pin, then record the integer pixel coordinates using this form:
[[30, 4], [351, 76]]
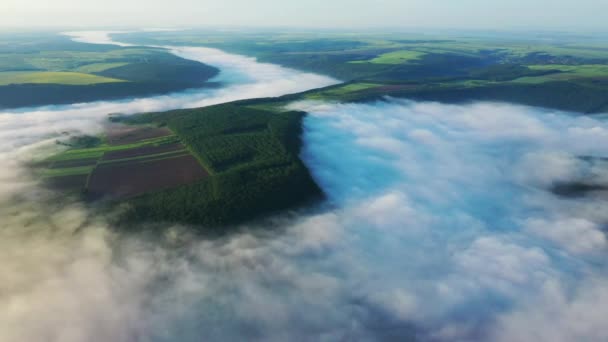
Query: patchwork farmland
[[129, 161]]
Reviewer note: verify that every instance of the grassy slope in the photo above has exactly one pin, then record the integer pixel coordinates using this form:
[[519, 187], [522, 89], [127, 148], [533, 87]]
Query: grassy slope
[[56, 77], [40, 69], [99, 67], [396, 57], [98, 150]]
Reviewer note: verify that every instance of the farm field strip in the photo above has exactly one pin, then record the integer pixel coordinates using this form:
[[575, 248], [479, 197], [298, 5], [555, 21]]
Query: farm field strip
[[396, 57], [62, 164], [144, 158], [142, 151], [99, 67], [69, 183], [46, 77], [69, 171], [98, 152], [133, 135], [343, 90]]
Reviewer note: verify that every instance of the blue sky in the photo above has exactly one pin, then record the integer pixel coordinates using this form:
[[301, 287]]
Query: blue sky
[[461, 14]]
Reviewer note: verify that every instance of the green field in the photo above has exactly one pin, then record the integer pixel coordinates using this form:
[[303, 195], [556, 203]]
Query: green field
[[99, 67], [98, 151], [46, 77], [397, 57], [341, 91], [67, 171]]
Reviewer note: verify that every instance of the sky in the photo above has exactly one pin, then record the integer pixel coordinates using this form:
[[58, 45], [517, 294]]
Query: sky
[[457, 14]]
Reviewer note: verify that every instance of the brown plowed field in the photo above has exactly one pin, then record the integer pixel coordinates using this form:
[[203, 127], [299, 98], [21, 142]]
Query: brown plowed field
[[75, 182], [135, 178], [61, 164], [121, 134], [142, 151]]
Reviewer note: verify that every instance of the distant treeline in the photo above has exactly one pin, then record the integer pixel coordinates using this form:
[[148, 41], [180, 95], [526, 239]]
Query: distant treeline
[[565, 96]]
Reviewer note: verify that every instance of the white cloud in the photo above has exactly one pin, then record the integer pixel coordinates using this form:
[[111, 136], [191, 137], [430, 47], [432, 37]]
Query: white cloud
[[577, 235]]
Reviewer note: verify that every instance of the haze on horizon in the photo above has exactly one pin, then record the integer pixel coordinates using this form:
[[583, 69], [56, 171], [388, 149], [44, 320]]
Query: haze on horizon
[[588, 15]]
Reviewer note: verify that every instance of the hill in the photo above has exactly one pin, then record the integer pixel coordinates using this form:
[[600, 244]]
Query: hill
[[211, 167], [42, 70]]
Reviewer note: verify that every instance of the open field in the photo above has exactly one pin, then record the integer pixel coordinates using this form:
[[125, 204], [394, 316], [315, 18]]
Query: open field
[[99, 67], [397, 57], [137, 177], [61, 164], [67, 171], [121, 135], [341, 90], [142, 151], [69, 184], [42, 77]]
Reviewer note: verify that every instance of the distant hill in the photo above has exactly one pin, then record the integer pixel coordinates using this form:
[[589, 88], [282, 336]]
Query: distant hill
[[60, 71]]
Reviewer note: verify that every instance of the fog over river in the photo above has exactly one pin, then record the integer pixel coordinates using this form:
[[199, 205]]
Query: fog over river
[[438, 226]]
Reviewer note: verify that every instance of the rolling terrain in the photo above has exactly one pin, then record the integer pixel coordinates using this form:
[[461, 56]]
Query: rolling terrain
[[567, 73], [43, 70]]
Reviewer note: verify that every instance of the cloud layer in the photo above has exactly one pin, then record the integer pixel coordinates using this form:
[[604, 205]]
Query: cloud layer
[[456, 218]]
